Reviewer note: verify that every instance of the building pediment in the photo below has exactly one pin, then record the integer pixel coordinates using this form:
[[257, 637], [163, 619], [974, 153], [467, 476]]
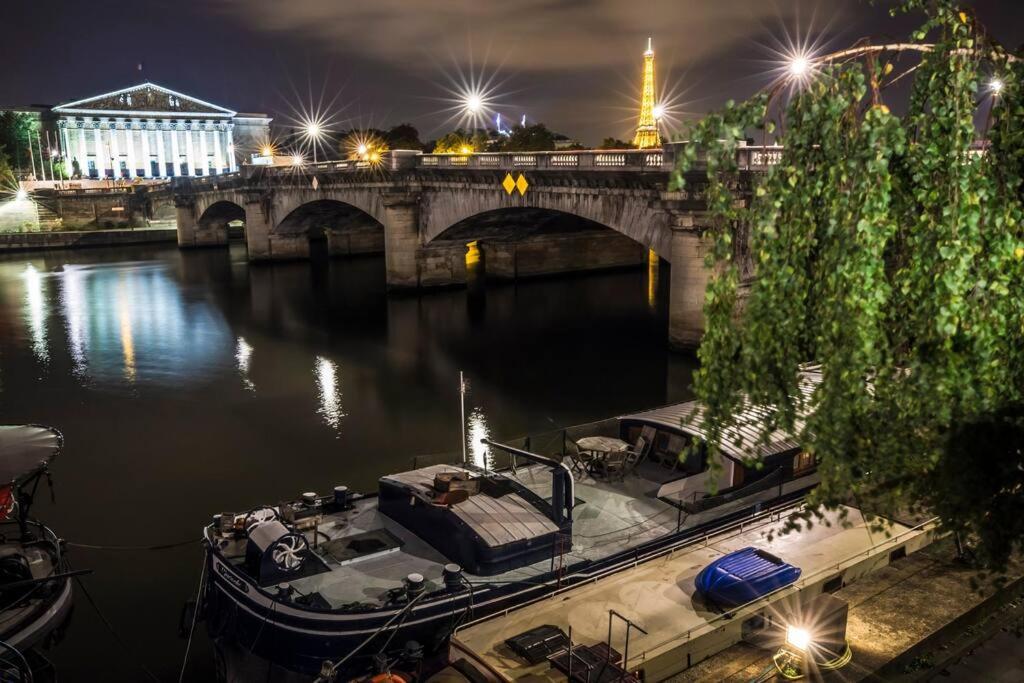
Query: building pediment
[[146, 99]]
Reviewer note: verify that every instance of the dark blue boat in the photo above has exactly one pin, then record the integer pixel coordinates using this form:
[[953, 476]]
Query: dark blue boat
[[745, 575]]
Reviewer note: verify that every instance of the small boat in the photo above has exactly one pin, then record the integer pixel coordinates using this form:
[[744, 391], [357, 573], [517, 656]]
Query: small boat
[[35, 586], [743, 576], [336, 585]]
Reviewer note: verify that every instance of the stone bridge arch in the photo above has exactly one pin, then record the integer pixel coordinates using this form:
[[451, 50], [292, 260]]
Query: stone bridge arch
[[346, 228], [513, 242], [203, 217], [632, 211], [280, 220]]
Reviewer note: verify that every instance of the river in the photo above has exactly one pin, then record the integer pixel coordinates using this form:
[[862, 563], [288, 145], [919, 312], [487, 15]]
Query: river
[[190, 383]]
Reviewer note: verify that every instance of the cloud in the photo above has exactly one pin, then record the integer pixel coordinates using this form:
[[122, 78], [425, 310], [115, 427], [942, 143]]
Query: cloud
[[530, 35]]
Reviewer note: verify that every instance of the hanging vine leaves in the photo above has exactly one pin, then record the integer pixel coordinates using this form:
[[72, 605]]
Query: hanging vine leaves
[[890, 249]]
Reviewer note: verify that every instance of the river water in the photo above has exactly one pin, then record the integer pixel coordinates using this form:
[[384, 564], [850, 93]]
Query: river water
[[189, 383]]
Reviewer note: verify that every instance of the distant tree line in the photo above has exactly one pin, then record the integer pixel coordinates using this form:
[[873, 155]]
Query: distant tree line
[[531, 138]]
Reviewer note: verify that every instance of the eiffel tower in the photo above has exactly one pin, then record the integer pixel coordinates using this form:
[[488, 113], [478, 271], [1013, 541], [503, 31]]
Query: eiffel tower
[[647, 127]]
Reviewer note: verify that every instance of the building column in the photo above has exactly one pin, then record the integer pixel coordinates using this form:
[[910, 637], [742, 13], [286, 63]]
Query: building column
[[204, 151], [190, 152], [161, 154], [232, 162], [218, 156], [401, 239], [689, 282], [83, 152], [147, 170], [129, 148], [175, 152], [115, 153], [101, 154]]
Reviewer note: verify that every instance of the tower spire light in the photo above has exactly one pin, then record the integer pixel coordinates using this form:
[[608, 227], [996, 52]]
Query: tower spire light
[[647, 134]]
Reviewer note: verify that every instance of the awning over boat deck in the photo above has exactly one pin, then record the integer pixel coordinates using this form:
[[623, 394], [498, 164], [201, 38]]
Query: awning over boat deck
[[24, 449], [499, 521], [742, 440]]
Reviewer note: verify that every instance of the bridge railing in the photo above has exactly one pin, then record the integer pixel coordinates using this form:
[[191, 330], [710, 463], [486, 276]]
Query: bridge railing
[[567, 160]]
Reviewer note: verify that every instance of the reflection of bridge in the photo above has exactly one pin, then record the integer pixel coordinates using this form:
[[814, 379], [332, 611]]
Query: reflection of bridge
[[422, 210]]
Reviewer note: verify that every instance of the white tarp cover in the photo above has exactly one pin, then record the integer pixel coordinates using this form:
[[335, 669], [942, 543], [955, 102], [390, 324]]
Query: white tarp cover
[[24, 449]]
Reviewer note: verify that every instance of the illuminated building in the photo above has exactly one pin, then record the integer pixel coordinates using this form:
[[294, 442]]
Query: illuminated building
[[647, 127], [148, 131]]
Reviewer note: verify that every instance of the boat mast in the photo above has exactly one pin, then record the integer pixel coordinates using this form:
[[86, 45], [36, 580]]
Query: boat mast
[[462, 412]]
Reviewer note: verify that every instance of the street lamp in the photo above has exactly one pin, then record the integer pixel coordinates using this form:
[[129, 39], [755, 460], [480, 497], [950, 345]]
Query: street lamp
[[21, 195], [474, 103], [658, 111], [799, 66], [995, 85], [313, 131]]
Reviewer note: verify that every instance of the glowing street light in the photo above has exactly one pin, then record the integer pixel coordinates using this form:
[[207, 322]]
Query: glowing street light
[[465, 149], [21, 195], [362, 149], [798, 637], [995, 85], [799, 66], [314, 132], [298, 160], [474, 103], [658, 111], [267, 151]]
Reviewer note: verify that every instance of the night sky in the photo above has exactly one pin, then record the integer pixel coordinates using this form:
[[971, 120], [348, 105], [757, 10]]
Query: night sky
[[573, 64]]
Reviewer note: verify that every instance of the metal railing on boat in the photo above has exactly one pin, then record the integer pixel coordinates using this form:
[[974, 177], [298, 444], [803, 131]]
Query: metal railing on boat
[[894, 542]]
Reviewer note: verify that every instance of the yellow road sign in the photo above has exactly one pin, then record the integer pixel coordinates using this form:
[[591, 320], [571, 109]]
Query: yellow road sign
[[508, 183]]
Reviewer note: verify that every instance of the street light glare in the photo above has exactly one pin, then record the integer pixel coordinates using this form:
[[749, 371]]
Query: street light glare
[[474, 103], [659, 111], [798, 638], [21, 195], [362, 149], [297, 160], [995, 85], [799, 65]]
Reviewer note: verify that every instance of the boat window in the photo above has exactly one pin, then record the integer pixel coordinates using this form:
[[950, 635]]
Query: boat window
[[802, 462]]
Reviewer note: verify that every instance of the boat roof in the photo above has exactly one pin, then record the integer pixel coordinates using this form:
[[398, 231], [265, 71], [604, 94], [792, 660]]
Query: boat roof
[[498, 521], [741, 440], [26, 449]]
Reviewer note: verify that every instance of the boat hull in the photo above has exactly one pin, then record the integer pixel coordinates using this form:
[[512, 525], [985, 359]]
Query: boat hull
[[245, 618]]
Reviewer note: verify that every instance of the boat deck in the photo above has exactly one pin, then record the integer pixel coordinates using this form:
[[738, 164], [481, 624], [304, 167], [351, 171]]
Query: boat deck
[[660, 597], [608, 517]]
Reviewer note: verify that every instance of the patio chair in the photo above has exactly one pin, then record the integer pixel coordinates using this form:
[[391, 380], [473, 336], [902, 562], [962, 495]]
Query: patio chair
[[579, 460], [617, 464]]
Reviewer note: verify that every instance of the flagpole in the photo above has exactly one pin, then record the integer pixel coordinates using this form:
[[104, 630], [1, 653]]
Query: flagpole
[[462, 411]]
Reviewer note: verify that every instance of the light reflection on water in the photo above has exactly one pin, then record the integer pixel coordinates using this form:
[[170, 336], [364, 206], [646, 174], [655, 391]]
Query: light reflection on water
[[327, 388], [126, 324], [476, 429], [36, 311], [243, 357]]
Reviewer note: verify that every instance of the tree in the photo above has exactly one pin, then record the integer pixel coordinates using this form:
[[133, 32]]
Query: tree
[[7, 180], [403, 136], [456, 142], [15, 130], [891, 250], [614, 143], [535, 138]]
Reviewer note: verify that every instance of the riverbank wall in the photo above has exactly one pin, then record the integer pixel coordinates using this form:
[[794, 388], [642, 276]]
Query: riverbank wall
[[32, 241]]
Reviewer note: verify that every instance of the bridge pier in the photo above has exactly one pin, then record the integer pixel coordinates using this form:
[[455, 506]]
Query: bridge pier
[[261, 240], [402, 239], [184, 209], [688, 283]]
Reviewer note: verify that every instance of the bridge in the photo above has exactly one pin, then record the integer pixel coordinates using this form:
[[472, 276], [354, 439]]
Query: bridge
[[523, 212]]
